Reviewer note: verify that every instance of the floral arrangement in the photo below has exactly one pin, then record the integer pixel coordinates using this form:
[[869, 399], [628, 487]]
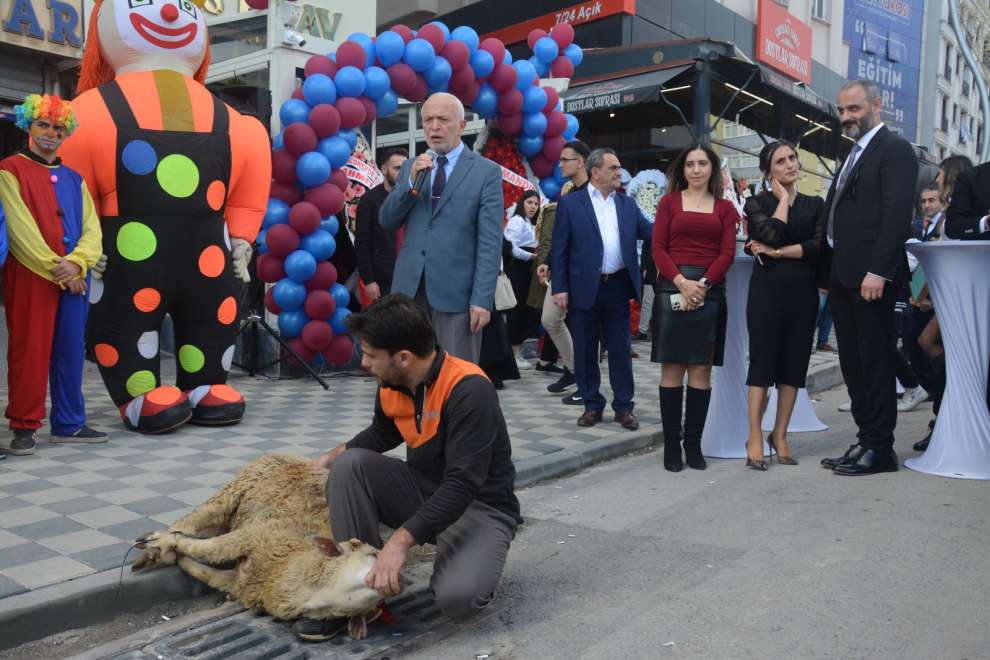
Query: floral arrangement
[[354, 191], [503, 150], [647, 187]]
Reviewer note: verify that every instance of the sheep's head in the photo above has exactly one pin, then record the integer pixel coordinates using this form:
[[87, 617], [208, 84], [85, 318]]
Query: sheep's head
[[345, 592]]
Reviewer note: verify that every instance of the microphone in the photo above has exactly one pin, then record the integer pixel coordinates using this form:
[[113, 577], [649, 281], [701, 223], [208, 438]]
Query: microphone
[[423, 175]]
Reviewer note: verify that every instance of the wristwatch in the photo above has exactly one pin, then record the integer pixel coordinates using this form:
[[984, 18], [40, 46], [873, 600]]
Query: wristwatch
[[704, 282], [776, 253]]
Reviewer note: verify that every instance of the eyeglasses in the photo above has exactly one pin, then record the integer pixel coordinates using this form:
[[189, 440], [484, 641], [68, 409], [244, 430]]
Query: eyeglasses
[[566, 160]]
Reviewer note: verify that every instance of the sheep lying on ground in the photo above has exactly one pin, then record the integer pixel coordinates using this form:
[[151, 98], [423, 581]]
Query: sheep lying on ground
[[273, 521]]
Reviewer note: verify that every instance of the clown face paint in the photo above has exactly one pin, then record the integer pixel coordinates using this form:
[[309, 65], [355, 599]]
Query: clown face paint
[[152, 34]]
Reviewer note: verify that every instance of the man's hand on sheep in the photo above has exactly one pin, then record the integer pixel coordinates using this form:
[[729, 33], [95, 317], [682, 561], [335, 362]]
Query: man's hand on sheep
[[385, 575], [240, 254]]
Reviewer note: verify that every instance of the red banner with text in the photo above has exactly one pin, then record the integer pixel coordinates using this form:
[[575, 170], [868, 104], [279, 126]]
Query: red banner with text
[[579, 14], [782, 41]]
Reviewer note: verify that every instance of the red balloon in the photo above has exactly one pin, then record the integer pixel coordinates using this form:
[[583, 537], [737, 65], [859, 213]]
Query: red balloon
[[403, 31], [563, 34], [503, 78], [510, 124], [402, 76], [434, 35], [510, 103], [328, 200], [281, 240], [552, 147], [257, 4], [320, 304], [325, 277], [297, 93], [468, 96], [317, 335], [370, 111], [286, 192], [556, 125], [340, 351], [270, 303], [339, 179], [351, 54], [299, 138], [304, 217], [351, 112], [561, 67], [300, 348], [495, 47], [552, 98], [456, 53], [420, 90], [534, 36], [463, 77], [283, 166], [325, 120], [320, 64], [541, 167], [270, 268]]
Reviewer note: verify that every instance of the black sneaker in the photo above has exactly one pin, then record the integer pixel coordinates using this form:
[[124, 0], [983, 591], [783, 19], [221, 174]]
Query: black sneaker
[[549, 368], [573, 400], [23, 443], [641, 336], [319, 630], [562, 383], [83, 435]]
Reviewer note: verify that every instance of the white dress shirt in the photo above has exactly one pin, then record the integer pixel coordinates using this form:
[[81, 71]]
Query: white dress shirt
[[522, 234], [448, 169], [608, 225], [854, 156]]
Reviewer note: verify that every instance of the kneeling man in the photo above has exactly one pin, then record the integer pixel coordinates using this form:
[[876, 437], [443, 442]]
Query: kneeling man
[[456, 487]]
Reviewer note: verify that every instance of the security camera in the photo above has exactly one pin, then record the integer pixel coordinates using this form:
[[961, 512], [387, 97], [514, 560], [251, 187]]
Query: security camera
[[292, 38]]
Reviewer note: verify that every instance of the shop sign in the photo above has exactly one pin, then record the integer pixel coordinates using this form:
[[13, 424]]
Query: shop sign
[[606, 95], [579, 14], [783, 42], [53, 26]]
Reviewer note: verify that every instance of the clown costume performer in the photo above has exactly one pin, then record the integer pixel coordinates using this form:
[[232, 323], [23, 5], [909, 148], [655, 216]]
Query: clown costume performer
[[54, 237], [180, 182]]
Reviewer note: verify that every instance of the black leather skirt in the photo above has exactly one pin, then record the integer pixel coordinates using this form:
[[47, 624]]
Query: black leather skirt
[[695, 337]]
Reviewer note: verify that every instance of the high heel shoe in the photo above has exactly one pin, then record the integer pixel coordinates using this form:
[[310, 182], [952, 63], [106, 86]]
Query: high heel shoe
[[783, 460], [760, 465]]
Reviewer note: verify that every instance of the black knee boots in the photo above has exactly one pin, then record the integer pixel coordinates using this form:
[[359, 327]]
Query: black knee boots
[[696, 410], [671, 399]]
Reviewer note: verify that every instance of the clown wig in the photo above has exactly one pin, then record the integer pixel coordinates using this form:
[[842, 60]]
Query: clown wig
[[51, 108]]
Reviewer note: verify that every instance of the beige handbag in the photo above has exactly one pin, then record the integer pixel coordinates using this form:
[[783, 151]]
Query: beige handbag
[[505, 297]]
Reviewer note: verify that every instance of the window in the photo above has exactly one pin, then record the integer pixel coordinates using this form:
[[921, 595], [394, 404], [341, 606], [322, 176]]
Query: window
[[821, 9], [734, 130]]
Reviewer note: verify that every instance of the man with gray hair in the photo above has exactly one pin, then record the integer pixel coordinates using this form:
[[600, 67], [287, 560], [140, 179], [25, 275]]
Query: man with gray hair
[[448, 202], [870, 207]]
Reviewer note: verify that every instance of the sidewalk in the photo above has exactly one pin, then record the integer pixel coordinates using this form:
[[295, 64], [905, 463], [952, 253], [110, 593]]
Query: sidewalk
[[72, 511]]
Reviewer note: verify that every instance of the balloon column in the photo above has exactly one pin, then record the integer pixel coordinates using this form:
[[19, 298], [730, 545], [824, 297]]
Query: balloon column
[[360, 82]]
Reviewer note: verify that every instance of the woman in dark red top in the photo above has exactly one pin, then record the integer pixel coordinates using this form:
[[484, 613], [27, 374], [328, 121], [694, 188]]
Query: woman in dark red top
[[694, 241]]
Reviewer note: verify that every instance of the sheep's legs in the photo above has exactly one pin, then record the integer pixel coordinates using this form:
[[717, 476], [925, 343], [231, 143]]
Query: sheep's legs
[[209, 518], [216, 550], [216, 578]]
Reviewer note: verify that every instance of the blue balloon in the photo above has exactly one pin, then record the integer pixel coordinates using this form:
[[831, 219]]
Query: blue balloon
[[318, 243], [367, 43], [486, 104], [550, 187], [558, 174], [390, 48], [572, 126], [335, 149], [530, 146], [332, 56], [507, 57], [534, 124], [290, 294], [468, 36], [387, 104], [349, 81], [351, 136], [419, 55], [574, 54], [376, 82], [276, 213], [534, 99], [279, 141], [312, 168], [260, 242], [542, 68], [546, 49], [525, 74], [319, 88], [291, 322], [443, 28], [294, 110], [483, 63], [300, 266], [339, 319], [330, 225], [439, 73], [340, 294]]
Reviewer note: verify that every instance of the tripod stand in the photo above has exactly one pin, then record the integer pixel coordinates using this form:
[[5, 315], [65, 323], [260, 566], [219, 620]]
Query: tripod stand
[[257, 323]]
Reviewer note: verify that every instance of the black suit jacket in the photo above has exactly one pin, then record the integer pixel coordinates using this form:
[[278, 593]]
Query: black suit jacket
[[873, 213], [374, 246], [970, 202]]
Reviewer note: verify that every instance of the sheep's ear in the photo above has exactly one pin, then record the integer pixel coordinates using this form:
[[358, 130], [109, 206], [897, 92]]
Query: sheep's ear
[[326, 546]]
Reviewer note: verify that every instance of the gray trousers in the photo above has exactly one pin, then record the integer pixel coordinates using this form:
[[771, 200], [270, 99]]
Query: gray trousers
[[366, 488], [552, 319], [453, 330], [646, 309]]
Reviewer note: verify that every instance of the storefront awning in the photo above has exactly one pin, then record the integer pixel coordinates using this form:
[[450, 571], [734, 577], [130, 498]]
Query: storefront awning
[[608, 94]]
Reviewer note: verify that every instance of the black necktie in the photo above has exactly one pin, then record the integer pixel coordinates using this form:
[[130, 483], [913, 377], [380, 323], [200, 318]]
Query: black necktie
[[439, 181]]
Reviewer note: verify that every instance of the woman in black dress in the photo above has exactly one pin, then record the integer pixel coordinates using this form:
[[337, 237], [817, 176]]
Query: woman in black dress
[[785, 236], [520, 231]]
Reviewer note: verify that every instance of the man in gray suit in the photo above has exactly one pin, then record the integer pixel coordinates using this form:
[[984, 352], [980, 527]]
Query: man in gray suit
[[452, 225]]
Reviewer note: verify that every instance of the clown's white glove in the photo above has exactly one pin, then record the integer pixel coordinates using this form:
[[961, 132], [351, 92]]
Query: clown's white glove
[[99, 267], [240, 253]]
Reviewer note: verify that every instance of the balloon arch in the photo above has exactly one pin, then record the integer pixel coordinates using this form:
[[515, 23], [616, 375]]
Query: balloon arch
[[350, 88]]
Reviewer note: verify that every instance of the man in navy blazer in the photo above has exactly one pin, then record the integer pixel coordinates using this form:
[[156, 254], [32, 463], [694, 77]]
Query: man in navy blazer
[[449, 260], [595, 275]]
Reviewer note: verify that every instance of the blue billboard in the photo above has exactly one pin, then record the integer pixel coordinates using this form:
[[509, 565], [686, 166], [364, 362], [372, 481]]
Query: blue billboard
[[884, 38]]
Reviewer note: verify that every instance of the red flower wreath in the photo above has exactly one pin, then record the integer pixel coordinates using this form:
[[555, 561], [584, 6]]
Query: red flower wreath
[[503, 151]]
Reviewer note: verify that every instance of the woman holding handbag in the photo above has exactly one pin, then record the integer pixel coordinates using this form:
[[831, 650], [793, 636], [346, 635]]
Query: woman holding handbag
[[521, 233], [694, 242]]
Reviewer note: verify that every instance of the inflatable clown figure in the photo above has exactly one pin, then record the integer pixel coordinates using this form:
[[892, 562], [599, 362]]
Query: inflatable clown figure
[[180, 182]]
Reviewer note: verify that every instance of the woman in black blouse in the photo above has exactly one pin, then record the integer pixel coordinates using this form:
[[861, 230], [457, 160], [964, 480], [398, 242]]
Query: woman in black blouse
[[785, 236]]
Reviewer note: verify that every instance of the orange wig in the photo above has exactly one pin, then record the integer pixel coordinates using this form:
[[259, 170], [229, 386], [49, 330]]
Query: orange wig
[[95, 71]]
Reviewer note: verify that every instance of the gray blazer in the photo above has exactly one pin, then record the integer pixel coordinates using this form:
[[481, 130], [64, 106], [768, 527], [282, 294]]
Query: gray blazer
[[458, 248]]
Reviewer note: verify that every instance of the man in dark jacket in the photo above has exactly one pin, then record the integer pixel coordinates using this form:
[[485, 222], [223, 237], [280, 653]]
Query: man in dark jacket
[[375, 246]]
